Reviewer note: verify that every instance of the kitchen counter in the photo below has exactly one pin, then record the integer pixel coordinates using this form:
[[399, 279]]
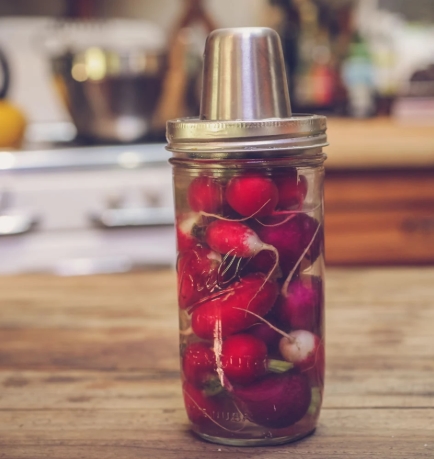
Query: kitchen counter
[[378, 144], [89, 369]]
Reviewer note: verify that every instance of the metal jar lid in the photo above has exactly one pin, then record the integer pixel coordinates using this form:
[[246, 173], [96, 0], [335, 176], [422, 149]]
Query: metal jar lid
[[245, 104]]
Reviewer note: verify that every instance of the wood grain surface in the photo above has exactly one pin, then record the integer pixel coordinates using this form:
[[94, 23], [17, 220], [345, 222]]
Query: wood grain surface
[[379, 217], [378, 143], [89, 369]]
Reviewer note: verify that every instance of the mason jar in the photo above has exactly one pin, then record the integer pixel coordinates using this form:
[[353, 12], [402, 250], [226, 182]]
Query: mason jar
[[250, 268]]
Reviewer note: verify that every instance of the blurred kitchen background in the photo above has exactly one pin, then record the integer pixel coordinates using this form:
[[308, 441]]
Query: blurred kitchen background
[[87, 85]]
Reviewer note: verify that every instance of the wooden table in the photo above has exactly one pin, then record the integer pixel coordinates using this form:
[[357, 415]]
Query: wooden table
[[89, 369]]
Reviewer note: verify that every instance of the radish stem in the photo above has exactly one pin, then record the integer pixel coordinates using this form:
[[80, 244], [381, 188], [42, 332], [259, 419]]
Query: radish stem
[[284, 290], [278, 330], [289, 217], [290, 213], [187, 332], [213, 296], [279, 366], [219, 217]]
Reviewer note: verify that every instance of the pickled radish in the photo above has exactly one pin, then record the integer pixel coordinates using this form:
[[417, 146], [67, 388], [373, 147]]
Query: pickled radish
[[262, 262], [234, 238], [200, 409], [243, 358], [205, 194], [290, 237], [267, 334], [292, 189], [243, 292], [227, 314], [252, 195], [300, 348], [185, 225], [276, 401], [301, 308], [198, 270], [199, 364]]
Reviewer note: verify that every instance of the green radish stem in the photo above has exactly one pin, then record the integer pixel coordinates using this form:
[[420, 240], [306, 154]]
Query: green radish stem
[[279, 366], [213, 387], [315, 401]]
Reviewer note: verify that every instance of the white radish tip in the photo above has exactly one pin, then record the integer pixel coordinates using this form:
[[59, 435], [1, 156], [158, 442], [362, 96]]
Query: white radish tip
[[187, 223]]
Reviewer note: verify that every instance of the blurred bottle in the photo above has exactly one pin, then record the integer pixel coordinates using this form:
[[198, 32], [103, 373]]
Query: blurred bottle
[[384, 57], [314, 54], [306, 39], [358, 76], [322, 74], [288, 27]]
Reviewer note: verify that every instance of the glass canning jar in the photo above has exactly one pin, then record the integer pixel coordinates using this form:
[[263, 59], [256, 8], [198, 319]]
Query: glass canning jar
[[251, 296], [248, 186]]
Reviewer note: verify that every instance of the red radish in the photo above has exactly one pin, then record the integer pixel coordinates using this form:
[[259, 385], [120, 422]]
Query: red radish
[[301, 309], [252, 195], [184, 231], [234, 238], [243, 358], [200, 409], [277, 401], [263, 262], [199, 364], [205, 194], [226, 314], [301, 348], [292, 190], [269, 335], [197, 274], [291, 238]]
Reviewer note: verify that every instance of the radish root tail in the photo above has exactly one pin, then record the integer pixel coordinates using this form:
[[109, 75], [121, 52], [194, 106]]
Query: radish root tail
[[272, 270], [265, 321], [284, 290], [219, 217]]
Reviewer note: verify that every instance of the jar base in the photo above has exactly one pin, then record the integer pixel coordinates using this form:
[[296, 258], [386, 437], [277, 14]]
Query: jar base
[[254, 441]]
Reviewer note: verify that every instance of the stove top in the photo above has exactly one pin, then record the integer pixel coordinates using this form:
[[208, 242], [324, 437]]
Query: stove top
[[86, 209]]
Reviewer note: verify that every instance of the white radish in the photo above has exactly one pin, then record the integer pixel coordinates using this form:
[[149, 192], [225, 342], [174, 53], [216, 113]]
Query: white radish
[[301, 348], [184, 230]]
